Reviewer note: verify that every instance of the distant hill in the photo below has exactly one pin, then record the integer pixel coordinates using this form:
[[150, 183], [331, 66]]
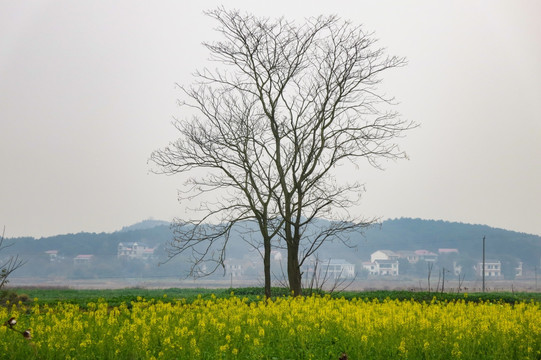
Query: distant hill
[[396, 234], [145, 224], [92, 243], [412, 234]]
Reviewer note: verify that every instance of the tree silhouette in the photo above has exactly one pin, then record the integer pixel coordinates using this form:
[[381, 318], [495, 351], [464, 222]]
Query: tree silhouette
[[7, 265], [291, 104]]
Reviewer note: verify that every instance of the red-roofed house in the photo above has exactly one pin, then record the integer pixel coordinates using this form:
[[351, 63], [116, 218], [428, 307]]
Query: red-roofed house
[[426, 255], [53, 255]]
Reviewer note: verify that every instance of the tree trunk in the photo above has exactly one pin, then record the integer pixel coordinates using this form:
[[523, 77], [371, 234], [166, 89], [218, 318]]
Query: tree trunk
[[293, 270], [266, 266]]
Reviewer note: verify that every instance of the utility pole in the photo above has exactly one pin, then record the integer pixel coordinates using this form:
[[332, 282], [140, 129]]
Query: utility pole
[[483, 264], [535, 269], [443, 281]]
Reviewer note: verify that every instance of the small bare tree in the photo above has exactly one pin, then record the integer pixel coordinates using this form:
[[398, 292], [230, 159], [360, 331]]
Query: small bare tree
[[9, 264], [429, 266], [293, 103], [320, 278], [460, 281]]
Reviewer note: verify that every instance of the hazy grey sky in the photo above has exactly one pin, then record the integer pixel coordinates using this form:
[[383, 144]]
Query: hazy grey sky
[[87, 93]]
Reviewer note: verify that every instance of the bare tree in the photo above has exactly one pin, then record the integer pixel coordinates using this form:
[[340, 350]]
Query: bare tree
[[320, 278], [292, 103], [460, 281], [9, 264], [429, 266]]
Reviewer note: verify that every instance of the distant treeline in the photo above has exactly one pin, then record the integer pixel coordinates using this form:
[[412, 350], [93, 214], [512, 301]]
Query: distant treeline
[[399, 234], [90, 243]]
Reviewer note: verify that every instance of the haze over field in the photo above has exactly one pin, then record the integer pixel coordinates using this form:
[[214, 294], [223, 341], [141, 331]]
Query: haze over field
[[51, 261], [87, 92]]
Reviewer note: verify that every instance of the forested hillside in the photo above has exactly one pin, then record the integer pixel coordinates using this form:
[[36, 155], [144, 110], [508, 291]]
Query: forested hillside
[[411, 234], [399, 234]]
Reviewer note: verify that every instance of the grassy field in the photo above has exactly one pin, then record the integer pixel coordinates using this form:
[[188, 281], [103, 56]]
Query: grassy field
[[118, 296], [239, 324]]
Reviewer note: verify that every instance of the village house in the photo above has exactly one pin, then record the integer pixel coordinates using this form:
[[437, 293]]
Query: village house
[[330, 269], [371, 267], [53, 255], [339, 269], [382, 267], [134, 250], [493, 268], [234, 267], [388, 267], [426, 255], [409, 255], [518, 269], [384, 255], [383, 263]]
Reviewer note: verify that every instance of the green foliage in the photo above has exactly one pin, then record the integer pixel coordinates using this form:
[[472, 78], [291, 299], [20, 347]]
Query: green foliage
[[116, 297], [425, 296], [119, 296], [12, 297]]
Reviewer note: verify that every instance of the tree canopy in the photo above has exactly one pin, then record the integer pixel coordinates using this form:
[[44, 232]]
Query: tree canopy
[[290, 103]]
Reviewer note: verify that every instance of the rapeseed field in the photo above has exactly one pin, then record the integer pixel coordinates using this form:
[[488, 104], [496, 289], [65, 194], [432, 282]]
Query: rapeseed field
[[316, 327]]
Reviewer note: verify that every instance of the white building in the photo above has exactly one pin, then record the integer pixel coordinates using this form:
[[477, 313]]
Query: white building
[[493, 268], [371, 267], [329, 269], [384, 255], [409, 255], [518, 269], [53, 255], [339, 269], [234, 267], [134, 250], [382, 267]]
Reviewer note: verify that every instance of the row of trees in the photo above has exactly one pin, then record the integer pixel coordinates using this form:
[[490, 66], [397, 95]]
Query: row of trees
[[291, 104]]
